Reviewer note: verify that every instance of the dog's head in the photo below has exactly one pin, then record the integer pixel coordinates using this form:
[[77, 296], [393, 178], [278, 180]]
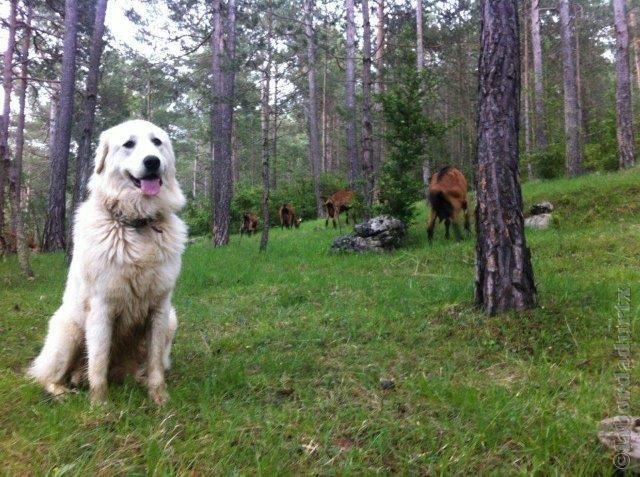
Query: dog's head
[[135, 165]]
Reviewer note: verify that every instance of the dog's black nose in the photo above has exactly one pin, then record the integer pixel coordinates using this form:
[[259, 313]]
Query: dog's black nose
[[152, 163]]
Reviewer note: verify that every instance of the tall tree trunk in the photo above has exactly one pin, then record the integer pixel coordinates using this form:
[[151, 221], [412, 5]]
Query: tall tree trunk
[[504, 276], [426, 164], [367, 126], [54, 228], [325, 166], [5, 120], [274, 140], [16, 171], [350, 99], [222, 88], [526, 95], [573, 147], [312, 110], [635, 34], [83, 160], [264, 116], [378, 144], [540, 136], [624, 114]]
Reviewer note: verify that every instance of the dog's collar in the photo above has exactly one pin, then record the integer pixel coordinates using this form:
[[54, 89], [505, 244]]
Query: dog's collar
[[138, 223]]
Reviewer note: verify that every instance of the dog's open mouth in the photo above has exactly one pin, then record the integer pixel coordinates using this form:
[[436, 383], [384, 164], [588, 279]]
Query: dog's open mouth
[[149, 185]]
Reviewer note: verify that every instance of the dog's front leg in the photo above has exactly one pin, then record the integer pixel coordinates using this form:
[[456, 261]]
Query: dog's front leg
[[98, 334], [156, 347]]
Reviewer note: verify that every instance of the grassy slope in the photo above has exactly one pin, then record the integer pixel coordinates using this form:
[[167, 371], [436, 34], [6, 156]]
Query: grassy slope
[[278, 358]]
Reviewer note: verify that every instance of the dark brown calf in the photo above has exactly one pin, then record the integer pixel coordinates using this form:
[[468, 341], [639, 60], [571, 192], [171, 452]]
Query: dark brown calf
[[288, 216], [249, 223], [448, 198], [337, 203]]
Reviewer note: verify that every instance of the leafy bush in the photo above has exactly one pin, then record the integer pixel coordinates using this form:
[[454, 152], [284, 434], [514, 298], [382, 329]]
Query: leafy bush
[[197, 216], [601, 153], [407, 130], [547, 164]]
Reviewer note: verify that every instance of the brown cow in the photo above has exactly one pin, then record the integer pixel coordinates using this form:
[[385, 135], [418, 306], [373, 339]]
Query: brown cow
[[337, 203], [448, 197], [288, 216], [249, 223]]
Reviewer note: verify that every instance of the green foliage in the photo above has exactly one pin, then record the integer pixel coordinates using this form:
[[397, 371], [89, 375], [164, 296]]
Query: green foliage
[[197, 216], [407, 132], [547, 164], [601, 152]]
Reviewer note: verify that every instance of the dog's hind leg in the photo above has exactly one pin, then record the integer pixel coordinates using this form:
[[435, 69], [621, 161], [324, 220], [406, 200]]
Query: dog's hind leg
[[63, 342]]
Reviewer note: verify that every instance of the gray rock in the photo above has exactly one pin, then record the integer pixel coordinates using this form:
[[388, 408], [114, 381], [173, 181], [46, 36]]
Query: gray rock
[[545, 207], [621, 434], [540, 222], [375, 235]]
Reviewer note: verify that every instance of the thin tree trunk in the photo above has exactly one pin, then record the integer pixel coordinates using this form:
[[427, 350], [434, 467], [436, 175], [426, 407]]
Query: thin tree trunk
[[624, 113], [527, 91], [350, 98], [312, 111], [325, 167], [426, 164], [222, 85], [573, 147], [195, 170], [83, 160], [274, 140], [378, 145], [5, 120], [635, 34], [265, 113], [504, 276], [367, 126], [54, 229], [16, 171], [540, 136]]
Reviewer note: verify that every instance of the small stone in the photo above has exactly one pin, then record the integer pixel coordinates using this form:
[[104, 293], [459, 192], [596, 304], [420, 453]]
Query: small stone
[[540, 222], [545, 207], [375, 235], [387, 384]]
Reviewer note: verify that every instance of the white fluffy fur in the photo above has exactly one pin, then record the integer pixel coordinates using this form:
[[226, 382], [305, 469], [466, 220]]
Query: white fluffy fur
[[121, 277]]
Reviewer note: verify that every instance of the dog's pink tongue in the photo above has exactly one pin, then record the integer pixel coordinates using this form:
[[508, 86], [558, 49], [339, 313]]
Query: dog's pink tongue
[[150, 186]]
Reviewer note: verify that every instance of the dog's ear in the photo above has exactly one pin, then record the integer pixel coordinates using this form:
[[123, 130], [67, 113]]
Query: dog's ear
[[101, 153]]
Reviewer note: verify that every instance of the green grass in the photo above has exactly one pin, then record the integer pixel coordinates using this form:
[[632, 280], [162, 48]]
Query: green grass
[[279, 356]]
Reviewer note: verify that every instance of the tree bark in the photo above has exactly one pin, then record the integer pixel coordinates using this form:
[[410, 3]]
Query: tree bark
[[504, 276], [222, 88], [54, 228], [378, 143], [367, 126], [5, 119], [274, 140], [635, 34], [624, 114], [350, 99], [265, 113], [573, 146], [83, 160], [526, 96], [312, 109], [16, 171], [426, 164], [540, 136]]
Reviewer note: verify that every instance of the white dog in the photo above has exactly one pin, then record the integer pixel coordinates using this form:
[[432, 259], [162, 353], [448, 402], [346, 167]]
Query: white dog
[[116, 315]]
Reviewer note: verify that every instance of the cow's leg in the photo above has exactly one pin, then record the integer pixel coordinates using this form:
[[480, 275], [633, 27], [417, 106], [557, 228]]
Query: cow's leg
[[326, 222], [467, 225], [447, 224], [431, 225]]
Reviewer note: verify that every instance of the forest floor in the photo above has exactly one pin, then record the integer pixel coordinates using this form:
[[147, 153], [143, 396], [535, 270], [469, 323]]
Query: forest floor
[[279, 358]]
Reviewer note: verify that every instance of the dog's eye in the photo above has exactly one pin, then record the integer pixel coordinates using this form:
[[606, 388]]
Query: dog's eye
[[156, 141], [129, 144]]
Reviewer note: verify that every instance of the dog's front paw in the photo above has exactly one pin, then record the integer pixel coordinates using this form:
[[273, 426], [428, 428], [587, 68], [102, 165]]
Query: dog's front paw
[[98, 395], [158, 394]]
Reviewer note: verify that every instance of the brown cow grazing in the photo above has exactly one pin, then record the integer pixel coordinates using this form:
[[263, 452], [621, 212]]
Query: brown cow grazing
[[288, 216], [249, 223], [448, 198], [337, 203]]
